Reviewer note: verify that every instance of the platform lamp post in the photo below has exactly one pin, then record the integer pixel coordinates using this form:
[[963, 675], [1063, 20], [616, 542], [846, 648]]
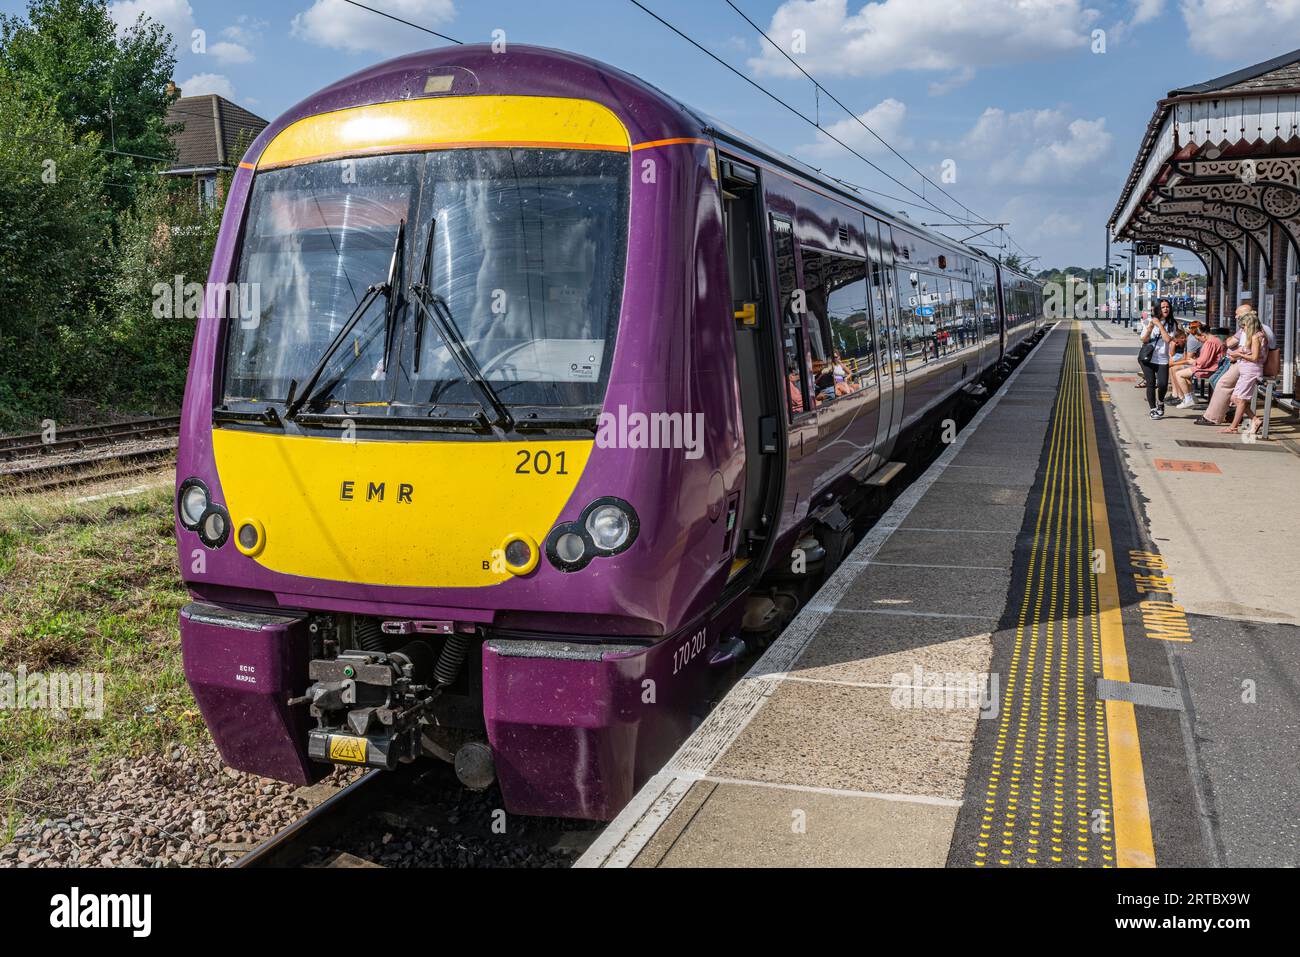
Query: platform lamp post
[[1106, 259], [1122, 281]]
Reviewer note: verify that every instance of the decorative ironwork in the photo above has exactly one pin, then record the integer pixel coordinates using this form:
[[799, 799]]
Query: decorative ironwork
[[1276, 171], [1253, 207]]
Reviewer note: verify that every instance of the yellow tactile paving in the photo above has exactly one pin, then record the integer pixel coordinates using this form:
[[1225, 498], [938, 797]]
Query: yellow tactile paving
[[1048, 800]]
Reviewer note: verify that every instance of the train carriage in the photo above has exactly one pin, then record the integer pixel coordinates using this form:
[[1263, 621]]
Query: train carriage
[[548, 379]]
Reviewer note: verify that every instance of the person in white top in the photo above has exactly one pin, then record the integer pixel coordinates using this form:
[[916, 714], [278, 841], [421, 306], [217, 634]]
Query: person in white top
[[1159, 330]]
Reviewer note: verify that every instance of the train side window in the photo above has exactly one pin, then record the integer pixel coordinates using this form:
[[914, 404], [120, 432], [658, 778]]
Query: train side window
[[882, 301], [968, 333], [792, 341], [839, 326], [739, 212], [815, 269], [916, 308], [849, 319], [945, 315], [988, 303]]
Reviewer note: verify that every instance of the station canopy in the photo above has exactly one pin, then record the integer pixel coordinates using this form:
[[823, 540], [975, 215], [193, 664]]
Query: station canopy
[[1218, 171]]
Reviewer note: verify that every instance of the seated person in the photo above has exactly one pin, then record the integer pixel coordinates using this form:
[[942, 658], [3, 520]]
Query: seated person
[[844, 383], [1208, 352], [823, 380]]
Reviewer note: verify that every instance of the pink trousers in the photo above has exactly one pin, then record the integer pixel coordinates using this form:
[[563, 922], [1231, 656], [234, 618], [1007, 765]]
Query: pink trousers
[[1222, 396]]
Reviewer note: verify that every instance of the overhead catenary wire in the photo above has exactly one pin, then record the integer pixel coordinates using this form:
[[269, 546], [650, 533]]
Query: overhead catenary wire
[[441, 36], [924, 204], [820, 89]]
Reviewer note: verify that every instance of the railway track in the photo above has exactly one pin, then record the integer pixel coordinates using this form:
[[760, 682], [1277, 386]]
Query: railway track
[[291, 846], [420, 816], [99, 468], [28, 463], [14, 447]]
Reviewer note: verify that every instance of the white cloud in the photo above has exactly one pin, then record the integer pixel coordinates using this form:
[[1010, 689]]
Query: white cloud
[[1246, 31], [1144, 11], [341, 26], [887, 118], [953, 82], [1034, 147], [227, 52], [245, 30], [1057, 225], [939, 35], [176, 15], [201, 83]]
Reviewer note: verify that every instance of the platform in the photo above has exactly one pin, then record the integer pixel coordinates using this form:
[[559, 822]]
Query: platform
[[1009, 670]]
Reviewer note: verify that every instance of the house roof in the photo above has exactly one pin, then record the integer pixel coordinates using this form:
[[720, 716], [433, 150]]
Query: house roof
[[214, 131]]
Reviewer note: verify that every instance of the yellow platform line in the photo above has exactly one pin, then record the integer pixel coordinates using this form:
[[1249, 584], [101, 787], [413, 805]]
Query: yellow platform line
[[1013, 712], [1133, 843]]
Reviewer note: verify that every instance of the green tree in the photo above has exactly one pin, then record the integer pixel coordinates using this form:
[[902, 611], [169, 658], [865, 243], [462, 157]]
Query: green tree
[[166, 237], [100, 80], [54, 229]]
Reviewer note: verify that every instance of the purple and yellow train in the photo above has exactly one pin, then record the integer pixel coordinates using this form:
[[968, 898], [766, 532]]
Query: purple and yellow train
[[540, 381]]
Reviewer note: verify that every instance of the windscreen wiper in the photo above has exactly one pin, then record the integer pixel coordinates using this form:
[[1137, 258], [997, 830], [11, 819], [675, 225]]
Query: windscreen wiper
[[396, 283], [434, 308], [296, 399]]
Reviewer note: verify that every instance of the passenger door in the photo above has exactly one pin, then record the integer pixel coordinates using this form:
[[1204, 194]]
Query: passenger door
[[792, 309], [752, 516]]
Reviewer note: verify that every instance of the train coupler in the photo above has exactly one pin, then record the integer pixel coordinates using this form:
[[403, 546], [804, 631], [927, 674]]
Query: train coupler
[[370, 707]]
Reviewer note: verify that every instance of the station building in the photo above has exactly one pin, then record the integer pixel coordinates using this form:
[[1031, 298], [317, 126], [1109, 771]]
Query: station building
[[1218, 175]]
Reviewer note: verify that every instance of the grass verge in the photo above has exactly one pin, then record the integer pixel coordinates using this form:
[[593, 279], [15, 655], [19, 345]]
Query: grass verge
[[89, 587]]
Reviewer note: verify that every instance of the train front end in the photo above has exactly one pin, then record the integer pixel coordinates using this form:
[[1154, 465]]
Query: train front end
[[398, 532]]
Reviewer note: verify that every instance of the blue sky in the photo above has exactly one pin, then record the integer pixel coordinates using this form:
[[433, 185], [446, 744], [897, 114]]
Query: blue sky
[[1040, 129]]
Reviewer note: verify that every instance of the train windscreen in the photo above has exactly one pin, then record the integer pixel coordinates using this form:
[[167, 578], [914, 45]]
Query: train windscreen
[[522, 251]]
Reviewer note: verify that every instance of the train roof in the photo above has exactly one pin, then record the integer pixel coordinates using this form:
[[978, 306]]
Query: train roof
[[549, 71]]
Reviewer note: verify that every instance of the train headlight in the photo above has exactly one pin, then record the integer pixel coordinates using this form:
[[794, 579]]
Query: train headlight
[[610, 527], [191, 502], [214, 527], [606, 527]]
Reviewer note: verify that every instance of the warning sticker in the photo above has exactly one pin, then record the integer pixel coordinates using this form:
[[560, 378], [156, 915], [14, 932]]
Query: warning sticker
[[352, 750]]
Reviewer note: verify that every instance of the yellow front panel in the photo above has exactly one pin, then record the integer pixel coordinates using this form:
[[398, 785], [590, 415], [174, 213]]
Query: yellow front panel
[[445, 122], [439, 521]]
